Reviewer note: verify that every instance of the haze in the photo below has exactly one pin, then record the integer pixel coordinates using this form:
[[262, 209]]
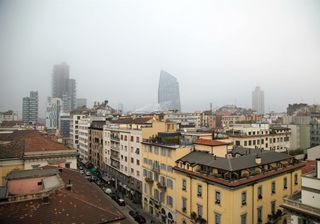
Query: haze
[[218, 50]]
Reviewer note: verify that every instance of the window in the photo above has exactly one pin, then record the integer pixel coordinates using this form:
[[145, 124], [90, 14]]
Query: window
[[138, 173], [199, 191], [138, 162], [132, 170], [169, 169], [273, 207], [131, 149], [169, 201], [137, 151], [161, 197], [260, 192], [184, 185], [245, 143], [285, 183], [156, 150], [217, 218], [296, 179], [238, 142], [249, 142], [156, 194], [131, 138], [254, 142], [145, 160], [150, 149], [125, 158], [169, 183], [273, 187], [259, 215], [137, 139], [218, 197], [244, 198], [184, 204], [125, 138], [163, 166], [132, 160], [144, 172], [169, 152], [244, 218], [199, 210], [150, 162], [163, 151], [39, 183]]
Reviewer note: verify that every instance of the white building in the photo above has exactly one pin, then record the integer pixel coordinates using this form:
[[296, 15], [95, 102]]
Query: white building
[[258, 100], [8, 116], [52, 113], [83, 135], [305, 206]]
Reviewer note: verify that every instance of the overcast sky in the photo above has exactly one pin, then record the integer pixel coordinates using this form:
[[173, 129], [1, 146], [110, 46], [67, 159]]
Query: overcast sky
[[218, 50]]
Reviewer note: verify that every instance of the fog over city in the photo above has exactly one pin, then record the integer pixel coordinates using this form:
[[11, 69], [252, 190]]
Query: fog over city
[[219, 51]]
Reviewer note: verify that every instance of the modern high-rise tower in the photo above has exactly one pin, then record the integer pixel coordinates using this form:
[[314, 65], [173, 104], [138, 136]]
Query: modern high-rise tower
[[258, 100], [63, 87], [30, 107], [168, 92]]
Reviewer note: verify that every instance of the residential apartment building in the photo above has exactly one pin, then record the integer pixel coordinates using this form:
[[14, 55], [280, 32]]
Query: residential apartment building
[[123, 151], [96, 153], [84, 138], [304, 207], [8, 116], [244, 186], [261, 136], [159, 183], [315, 130], [75, 117], [184, 120], [64, 125], [228, 121], [30, 108]]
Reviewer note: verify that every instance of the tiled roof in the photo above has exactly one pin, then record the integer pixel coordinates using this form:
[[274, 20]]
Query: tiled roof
[[310, 165], [31, 173], [210, 142], [85, 203], [15, 144], [234, 163]]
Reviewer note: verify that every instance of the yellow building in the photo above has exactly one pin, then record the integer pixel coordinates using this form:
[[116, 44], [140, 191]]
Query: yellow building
[[245, 186], [159, 183]]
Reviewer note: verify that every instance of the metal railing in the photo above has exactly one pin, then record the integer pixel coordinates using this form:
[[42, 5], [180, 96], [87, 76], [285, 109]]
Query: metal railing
[[301, 206]]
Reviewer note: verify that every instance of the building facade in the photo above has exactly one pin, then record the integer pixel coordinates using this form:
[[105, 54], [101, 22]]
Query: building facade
[[212, 189], [30, 107], [304, 207], [262, 136], [258, 100], [64, 125], [168, 92], [53, 112], [315, 130]]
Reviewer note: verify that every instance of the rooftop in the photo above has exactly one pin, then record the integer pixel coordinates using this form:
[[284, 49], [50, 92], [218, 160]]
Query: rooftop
[[210, 142], [31, 173], [15, 144], [130, 120], [233, 163], [84, 203]]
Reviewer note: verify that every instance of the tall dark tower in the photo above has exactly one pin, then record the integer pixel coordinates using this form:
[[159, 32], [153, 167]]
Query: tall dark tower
[[60, 77]]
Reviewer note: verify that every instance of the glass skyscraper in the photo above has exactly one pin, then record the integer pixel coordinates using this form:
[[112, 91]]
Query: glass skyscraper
[[168, 92]]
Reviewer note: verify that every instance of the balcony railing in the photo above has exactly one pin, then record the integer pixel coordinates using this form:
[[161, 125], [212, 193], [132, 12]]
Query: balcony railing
[[148, 180], [162, 186], [116, 139], [290, 203]]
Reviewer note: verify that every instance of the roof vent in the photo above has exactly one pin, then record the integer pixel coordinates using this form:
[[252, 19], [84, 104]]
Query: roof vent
[[258, 160]]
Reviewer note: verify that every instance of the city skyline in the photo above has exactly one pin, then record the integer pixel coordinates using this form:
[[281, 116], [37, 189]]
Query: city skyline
[[213, 61]]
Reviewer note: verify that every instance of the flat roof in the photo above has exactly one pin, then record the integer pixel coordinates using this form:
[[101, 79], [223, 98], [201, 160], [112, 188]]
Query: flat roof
[[20, 174]]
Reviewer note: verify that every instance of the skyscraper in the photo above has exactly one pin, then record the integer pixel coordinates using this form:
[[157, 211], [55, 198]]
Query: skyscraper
[[30, 107], [168, 92], [258, 100], [52, 113], [63, 87], [60, 77]]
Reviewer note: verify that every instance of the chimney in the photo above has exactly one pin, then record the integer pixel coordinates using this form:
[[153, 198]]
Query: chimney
[[69, 185], [258, 160]]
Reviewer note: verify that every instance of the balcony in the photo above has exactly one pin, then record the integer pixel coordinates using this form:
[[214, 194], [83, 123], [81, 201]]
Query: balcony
[[162, 186], [149, 180], [115, 148], [156, 168], [293, 204], [114, 157], [275, 217], [115, 139]]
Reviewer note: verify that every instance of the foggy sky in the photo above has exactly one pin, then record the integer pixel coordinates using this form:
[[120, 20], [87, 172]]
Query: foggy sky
[[218, 50]]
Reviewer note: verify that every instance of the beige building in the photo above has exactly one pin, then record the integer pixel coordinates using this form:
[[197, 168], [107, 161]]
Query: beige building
[[260, 136]]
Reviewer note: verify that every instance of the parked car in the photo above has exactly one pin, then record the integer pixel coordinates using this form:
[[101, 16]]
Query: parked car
[[88, 173], [81, 171], [108, 191], [114, 196], [80, 167], [121, 202], [137, 217]]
